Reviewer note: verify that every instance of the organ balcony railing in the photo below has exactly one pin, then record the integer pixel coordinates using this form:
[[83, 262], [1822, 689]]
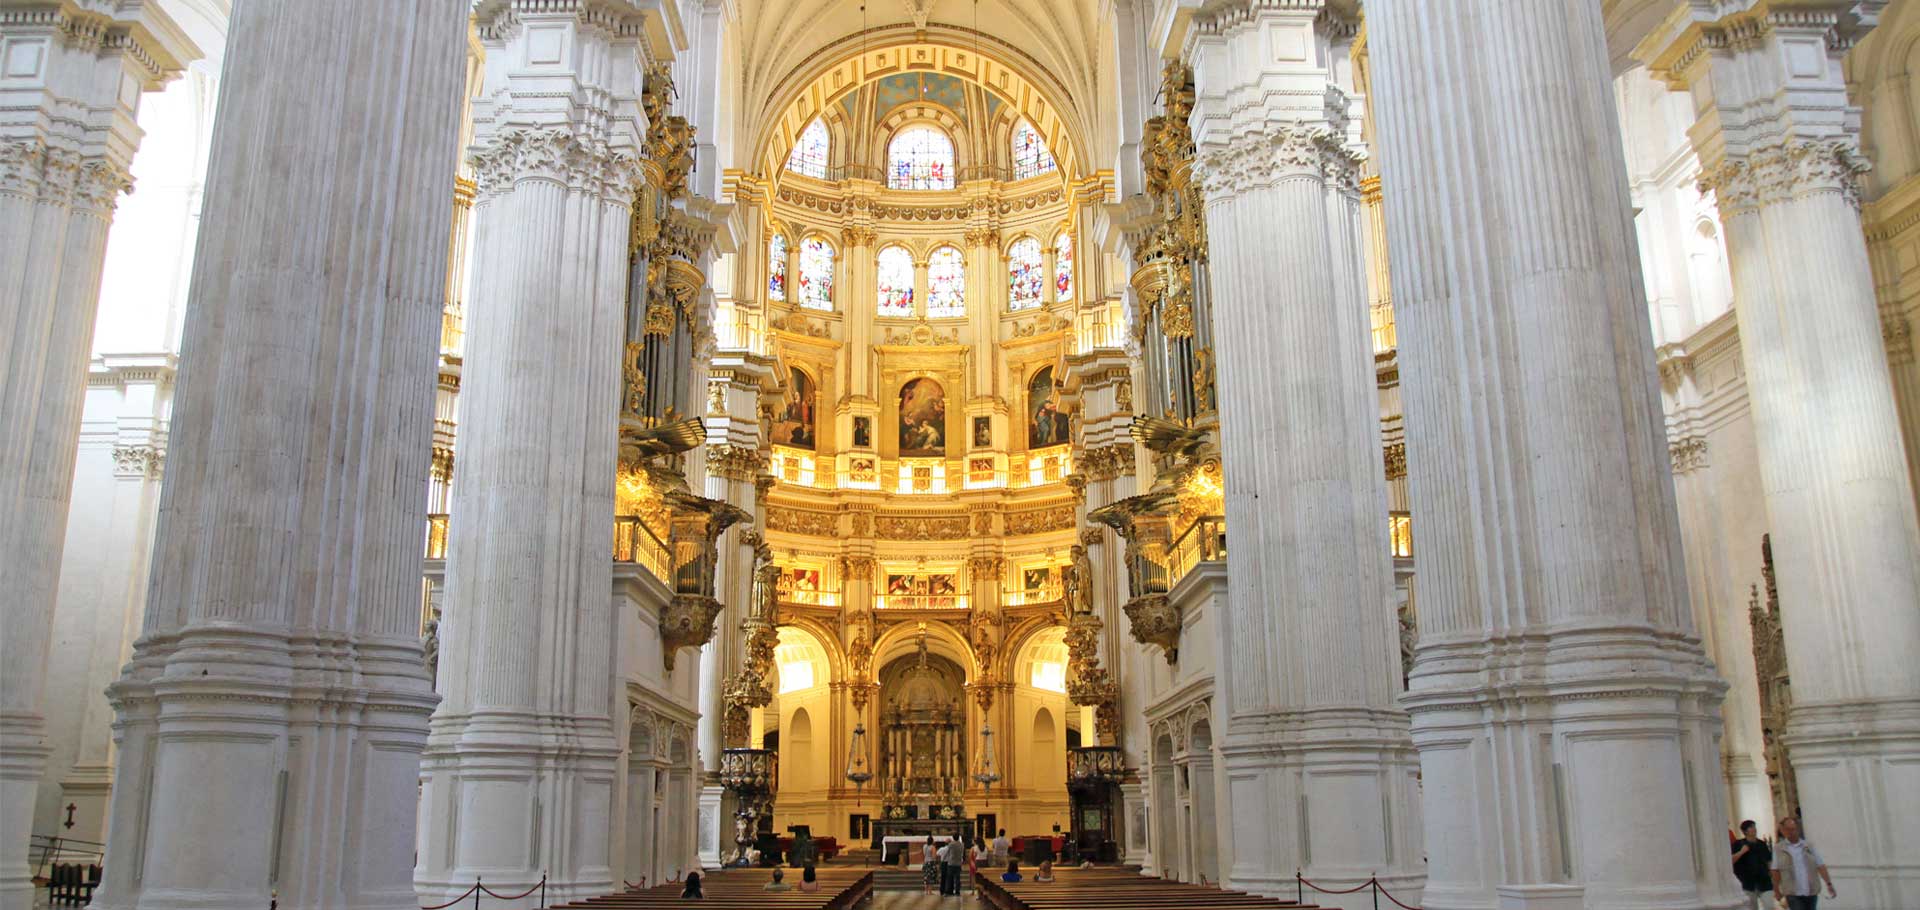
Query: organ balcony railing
[[1400, 534], [634, 542], [437, 535], [1050, 592], [1203, 541]]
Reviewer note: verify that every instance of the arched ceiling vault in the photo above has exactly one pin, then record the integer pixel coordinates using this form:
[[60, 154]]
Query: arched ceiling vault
[[1051, 58]]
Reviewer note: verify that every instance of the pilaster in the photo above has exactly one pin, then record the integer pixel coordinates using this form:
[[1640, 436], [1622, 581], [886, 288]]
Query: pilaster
[[270, 721], [1778, 142], [1559, 693], [74, 76], [1313, 735]]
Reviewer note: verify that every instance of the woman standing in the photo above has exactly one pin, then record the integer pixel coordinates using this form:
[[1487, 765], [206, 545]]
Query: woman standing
[[929, 866]]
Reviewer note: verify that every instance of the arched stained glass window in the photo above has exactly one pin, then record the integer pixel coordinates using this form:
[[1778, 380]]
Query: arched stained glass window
[[920, 158], [816, 274], [946, 284], [809, 154], [1026, 274], [1063, 267], [1030, 155], [777, 267], [895, 281]]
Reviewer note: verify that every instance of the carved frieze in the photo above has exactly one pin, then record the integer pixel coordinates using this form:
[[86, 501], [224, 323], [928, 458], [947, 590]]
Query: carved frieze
[[1040, 521], [801, 521], [920, 527]]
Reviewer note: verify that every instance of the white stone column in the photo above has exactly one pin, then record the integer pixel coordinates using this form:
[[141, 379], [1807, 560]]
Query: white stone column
[[1566, 717], [271, 718], [72, 81], [518, 776], [1778, 145], [1314, 739]]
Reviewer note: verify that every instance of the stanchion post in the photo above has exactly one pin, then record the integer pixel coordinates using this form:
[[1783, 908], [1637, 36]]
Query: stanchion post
[[543, 890], [1299, 887], [1375, 882], [476, 892]]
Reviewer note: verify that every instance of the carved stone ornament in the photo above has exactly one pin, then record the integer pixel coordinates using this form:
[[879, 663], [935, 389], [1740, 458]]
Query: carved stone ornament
[[138, 461], [59, 177], [1154, 620], [687, 622], [1689, 454], [555, 156], [921, 335], [1396, 458], [735, 462], [799, 521], [1040, 521], [1261, 158], [1790, 170]]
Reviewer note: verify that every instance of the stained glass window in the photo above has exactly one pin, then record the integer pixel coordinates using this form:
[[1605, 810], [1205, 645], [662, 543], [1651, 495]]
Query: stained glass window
[[816, 274], [1030, 155], [777, 267], [809, 154], [946, 283], [1026, 274], [920, 158], [1063, 267], [896, 281]]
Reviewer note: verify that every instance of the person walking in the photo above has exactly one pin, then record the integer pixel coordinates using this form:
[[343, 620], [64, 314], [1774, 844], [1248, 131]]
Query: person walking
[[1795, 863], [1753, 864]]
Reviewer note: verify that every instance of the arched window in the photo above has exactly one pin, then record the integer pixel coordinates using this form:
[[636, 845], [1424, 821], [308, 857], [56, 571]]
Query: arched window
[[1030, 155], [895, 281], [1063, 266], [809, 154], [816, 274], [1026, 274], [946, 284], [920, 158], [777, 267]]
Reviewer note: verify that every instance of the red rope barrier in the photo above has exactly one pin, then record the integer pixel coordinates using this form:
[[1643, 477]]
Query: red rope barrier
[[1396, 901], [1361, 887], [633, 887], [464, 896], [510, 897]]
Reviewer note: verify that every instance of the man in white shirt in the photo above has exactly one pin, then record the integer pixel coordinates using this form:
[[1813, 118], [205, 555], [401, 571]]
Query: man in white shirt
[[1001, 847], [1795, 862]]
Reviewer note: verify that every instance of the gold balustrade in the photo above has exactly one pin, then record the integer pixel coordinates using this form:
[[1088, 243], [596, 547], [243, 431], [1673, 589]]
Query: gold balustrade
[[1400, 534], [634, 542], [437, 535], [1203, 541]]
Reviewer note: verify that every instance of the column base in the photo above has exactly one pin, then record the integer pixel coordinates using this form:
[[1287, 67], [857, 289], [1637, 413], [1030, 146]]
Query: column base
[[1858, 768], [1133, 808], [709, 849], [1541, 897], [23, 758]]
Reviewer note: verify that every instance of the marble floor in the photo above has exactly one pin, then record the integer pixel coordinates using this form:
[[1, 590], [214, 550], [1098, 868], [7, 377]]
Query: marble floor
[[914, 900]]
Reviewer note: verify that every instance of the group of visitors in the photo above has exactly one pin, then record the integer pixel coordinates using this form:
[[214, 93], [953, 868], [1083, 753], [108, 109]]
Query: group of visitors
[[809, 882], [941, 864], [1787, 869]]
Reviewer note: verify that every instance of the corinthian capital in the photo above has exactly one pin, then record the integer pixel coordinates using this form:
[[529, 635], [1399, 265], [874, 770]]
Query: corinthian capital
[[557, 155], [1264, 157]]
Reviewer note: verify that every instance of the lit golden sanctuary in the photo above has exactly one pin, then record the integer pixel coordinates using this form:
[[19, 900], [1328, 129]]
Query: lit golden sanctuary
[[1454, 452]]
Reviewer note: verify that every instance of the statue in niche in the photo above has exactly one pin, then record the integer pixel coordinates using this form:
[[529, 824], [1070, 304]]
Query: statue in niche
[[1079, 582], [923, 419]]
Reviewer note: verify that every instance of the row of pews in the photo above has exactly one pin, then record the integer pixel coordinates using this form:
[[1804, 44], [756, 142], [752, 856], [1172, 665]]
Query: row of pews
[[1110, 888], [739, 889]]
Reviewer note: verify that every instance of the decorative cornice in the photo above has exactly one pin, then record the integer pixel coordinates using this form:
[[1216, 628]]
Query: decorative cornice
[[1786, 171]]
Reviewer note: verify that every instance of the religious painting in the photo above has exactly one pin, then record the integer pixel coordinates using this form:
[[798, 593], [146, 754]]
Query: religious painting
[[923, 419], [983, 432], [863, 432], [937, 590], [1035, 579], [863, 471], [795, 424], [804, 579], [1046, 423]]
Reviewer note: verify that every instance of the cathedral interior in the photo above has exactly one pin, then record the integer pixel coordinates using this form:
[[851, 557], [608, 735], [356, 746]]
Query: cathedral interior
[[457, 449]]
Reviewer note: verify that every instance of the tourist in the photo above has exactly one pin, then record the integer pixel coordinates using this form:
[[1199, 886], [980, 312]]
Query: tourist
[[1001, 847], [1795, 862], [809, 879], [691, 890], [1751, 860], [930, 868], [1046, 871], [952, 859], [778, 884], [1013, 871]]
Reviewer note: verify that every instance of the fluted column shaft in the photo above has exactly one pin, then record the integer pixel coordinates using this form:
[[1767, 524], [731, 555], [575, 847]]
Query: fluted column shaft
[[1778, 147], [270, 720], [67, 138], [1314, 737], [519, 772], [1559, 694]]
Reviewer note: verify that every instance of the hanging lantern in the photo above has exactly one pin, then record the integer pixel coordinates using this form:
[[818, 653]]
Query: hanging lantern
[[857, 770], [986, 777]]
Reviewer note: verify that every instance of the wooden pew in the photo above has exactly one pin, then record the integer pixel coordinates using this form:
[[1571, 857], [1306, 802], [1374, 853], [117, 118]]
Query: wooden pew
[[745, 889], [1115, 889]]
